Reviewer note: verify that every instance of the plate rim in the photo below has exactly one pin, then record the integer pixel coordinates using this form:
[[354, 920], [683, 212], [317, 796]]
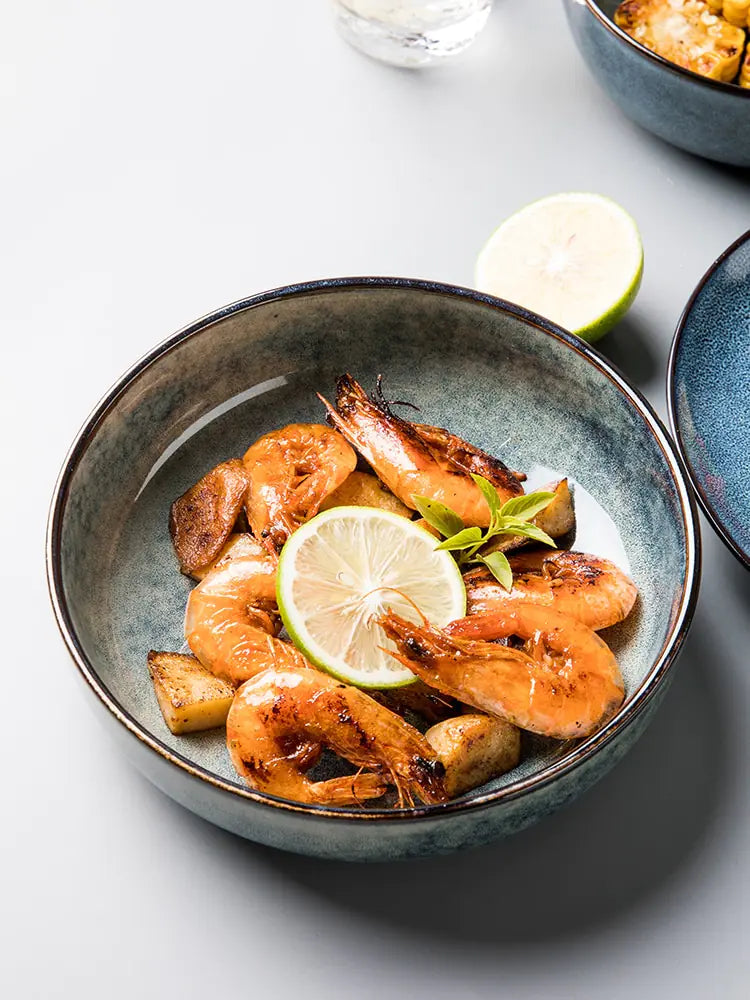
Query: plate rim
[[578, 755], [674, 425]]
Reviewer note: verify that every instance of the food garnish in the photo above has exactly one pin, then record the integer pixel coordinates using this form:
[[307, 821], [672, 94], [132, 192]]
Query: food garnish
[[512, 518]]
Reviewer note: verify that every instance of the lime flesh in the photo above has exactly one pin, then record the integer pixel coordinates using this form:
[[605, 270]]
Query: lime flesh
[[575, 258], [342, 570]]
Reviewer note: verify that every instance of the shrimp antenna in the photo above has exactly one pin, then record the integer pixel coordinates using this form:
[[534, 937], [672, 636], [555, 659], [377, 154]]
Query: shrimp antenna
[[385, 404], [406, 597]]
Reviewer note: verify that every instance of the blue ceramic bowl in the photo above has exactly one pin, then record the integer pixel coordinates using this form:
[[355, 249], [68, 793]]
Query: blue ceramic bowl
[[703, 116], [708, 383], [497, 375]]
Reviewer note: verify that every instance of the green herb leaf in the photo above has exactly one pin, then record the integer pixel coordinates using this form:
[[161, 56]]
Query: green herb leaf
[[490, 495], [438, 515], [510, 526], [462, 540], [499, 566], [527, 506]]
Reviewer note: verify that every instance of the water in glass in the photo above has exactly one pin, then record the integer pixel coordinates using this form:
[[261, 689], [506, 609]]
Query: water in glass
[[411, 32]]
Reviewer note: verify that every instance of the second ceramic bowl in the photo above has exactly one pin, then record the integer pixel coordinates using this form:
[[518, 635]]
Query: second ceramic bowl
[[498, 376], [708, 380], [703, 116]]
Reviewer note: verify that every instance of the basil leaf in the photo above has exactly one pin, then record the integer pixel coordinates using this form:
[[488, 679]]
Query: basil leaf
[[490, 495], [527, 506], [438, 515], [499, 566], [510, 526], [462, 540]]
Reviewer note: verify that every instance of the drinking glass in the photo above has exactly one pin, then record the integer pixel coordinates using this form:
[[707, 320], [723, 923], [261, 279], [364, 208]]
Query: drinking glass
[[411, 32]]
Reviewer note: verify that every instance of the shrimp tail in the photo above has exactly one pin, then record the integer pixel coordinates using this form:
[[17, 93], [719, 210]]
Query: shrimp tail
[[352, 789]]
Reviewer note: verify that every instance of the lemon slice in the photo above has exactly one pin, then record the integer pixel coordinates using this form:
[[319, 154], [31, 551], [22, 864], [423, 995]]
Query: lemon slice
[[575, 258], [339, 572]]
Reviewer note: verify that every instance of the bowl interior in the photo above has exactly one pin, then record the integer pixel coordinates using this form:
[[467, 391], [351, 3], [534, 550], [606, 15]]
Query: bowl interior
[[709, 394], [487, 373]]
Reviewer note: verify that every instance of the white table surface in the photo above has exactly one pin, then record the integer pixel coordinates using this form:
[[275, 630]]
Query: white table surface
[[161, 159]]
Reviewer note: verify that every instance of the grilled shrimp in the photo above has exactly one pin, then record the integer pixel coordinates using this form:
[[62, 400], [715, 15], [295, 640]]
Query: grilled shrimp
[[415, 459], [281, 718], [291, 472], [591, 590], [231, 621], [563, 682]]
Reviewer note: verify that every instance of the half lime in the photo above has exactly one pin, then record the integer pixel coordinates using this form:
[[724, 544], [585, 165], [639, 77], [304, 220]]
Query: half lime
[[342, 569], [575, 258]]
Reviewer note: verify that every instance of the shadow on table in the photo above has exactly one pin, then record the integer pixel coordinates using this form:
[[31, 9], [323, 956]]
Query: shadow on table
[[737, 576], [619, 846], [630, 347]]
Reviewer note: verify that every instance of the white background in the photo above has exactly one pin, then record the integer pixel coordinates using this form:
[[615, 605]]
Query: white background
[[160, 159]]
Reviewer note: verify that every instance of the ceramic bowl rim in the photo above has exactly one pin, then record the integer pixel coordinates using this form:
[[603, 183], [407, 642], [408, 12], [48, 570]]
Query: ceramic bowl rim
[[623, 36], [569, 760], [707, 506]]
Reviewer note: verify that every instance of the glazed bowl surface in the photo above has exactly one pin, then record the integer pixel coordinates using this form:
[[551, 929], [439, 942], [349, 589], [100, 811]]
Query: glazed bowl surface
[[500, 377], [708, 388], [702, 116]]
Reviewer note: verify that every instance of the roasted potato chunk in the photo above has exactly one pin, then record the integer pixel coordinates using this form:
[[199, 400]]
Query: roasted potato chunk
[[687, 33], [362, 489], [237, 545], [474, 749], [201, 520], [735, 11], [557, 519], [559, 516], [190, 697]]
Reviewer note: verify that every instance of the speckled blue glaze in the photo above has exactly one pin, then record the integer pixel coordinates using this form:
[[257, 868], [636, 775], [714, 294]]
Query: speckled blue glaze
[[499, 376], [703, 116], [708, 391]]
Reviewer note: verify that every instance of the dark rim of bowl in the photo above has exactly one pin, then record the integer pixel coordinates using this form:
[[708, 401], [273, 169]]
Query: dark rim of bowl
[[708, 509], [609, 24], [568, 760]]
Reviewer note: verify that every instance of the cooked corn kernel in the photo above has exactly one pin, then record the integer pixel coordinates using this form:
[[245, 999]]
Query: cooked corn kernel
[[744, 80], [735, 11], [687, 33]]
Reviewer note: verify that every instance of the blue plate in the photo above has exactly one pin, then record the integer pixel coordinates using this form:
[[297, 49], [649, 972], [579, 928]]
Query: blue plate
[[708, 390]]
